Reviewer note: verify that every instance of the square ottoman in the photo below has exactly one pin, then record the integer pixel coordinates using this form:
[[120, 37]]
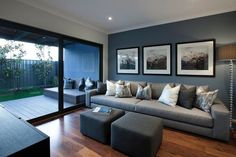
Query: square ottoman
[[98, 125], [137, 135]]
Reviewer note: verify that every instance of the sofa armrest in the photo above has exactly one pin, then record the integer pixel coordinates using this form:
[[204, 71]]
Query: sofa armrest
[[220, 115], [88, 95]]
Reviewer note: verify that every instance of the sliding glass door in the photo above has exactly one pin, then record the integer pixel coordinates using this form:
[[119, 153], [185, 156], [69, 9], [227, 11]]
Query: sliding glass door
[[36, 67], [28, 68], [81, 64]]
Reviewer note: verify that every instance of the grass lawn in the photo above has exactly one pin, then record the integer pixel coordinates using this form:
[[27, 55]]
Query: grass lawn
[[24, 93]]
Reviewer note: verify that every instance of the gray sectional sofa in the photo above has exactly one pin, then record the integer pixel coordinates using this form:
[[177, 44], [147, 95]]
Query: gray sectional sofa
[[214, 124]]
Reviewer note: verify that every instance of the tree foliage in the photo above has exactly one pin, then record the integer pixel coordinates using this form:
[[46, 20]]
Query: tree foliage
[[44, 67], [11, 55]]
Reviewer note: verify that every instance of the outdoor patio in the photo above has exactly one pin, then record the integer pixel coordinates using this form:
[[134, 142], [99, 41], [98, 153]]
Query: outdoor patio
[[33, 107]]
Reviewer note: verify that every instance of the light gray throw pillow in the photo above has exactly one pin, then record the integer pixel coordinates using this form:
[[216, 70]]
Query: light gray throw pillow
[[111, 87]]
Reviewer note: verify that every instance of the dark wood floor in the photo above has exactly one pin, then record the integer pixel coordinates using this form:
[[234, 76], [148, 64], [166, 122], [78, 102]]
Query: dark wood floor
[[66, 140], [33, 107]]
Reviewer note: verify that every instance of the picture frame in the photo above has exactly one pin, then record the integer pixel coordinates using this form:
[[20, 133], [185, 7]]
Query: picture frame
[[196, 58], [157, 59], [127, 60]]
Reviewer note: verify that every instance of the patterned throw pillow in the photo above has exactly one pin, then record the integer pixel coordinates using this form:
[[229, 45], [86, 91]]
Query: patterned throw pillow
[[68, 83], [199, 90], [111, 87], [206, 99], [144, 93], [123, 91], [169, 95]]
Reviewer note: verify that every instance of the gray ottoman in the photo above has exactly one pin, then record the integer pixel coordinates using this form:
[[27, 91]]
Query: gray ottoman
[[137, 135], [98, 125]]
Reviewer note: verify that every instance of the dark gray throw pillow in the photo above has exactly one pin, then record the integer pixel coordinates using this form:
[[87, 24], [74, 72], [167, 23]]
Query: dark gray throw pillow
[[187, 97], [81, 84], [101, 87], [68, 83]]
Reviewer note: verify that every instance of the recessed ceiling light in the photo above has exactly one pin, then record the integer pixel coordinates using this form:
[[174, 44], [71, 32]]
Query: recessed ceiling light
[[109, 18]]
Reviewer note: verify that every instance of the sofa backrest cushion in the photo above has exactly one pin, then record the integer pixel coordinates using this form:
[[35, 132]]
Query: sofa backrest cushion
[[157, 88], [134, 86]]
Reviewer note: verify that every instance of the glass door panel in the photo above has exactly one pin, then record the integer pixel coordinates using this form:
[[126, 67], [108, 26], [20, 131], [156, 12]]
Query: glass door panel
[[81, 62], [28, 73]]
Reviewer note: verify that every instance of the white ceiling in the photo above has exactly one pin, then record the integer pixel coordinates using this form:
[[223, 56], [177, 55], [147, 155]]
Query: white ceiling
[[131, 14]]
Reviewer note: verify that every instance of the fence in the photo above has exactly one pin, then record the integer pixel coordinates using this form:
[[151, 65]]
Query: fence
[[28, 78]]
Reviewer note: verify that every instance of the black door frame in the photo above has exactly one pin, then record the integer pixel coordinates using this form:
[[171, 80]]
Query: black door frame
[[61, 38]]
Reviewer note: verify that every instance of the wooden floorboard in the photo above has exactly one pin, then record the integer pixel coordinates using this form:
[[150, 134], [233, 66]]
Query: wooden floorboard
[[66, 140], [33, 107]]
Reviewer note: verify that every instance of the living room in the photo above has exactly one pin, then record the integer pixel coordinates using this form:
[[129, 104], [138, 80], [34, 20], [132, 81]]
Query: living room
[[129, 43]]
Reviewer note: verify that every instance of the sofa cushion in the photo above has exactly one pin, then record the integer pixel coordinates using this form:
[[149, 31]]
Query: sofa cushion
[[122, 103], [134, 86], [199, 90], [101, 87], [169, 95], [123, 91], [111, 87], [81, 84], [194, 116], [157, 89], [205, 100], [187, 96], [68, 83], [144, 92]]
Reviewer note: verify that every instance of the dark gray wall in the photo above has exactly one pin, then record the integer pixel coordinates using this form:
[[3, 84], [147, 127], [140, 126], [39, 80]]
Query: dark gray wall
[[221, 27], [81, 61]]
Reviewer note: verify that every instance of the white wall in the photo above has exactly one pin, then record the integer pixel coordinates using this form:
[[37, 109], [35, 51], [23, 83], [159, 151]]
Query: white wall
[[13, 10]]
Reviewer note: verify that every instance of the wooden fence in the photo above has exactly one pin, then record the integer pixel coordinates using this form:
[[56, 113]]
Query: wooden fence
[[28, 78]]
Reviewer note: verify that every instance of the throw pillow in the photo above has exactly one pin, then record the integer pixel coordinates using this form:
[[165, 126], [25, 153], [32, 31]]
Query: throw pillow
[[144, 93], [169, 95], [187, 96], [101, 87], [206, 100], [111, 87], [89, 84], [199, 90], [68, 83], [123, 91], [81, 84]]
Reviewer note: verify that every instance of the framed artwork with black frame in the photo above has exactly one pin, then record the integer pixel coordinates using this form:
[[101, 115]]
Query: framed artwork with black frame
[[157, 59], [127, 60], [196, 58]]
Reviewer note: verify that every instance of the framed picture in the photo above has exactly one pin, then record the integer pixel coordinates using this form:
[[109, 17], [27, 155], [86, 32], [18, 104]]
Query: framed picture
[[196, 58], [127, 60], [157, 59]]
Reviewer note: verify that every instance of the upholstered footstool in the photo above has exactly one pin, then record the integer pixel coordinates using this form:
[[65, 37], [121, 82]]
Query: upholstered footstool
[[137, 135], [98, 125]]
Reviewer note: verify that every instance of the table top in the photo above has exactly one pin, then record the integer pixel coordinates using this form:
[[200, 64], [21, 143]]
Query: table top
[[16, 134]]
